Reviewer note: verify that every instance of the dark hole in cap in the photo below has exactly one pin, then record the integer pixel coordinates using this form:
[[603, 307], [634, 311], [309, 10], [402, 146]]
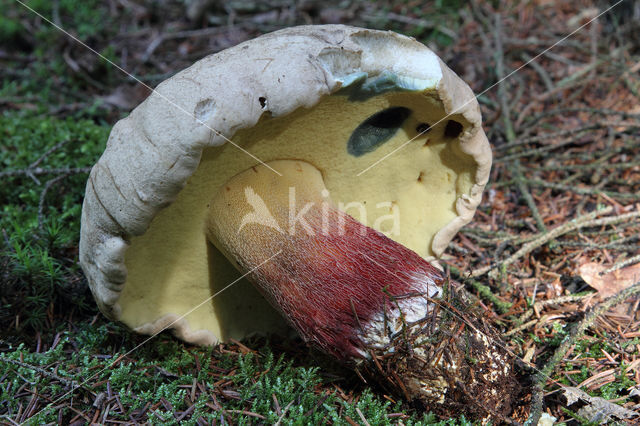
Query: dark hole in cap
[[453, 129], [423, 128], [263, 101]]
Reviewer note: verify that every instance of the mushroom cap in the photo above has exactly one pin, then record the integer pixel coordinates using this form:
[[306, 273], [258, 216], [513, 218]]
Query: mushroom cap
[[338, 97]]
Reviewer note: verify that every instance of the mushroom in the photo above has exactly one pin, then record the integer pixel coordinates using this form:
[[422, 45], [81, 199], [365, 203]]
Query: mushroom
[[338, 97], [359, 296], [370, 125]]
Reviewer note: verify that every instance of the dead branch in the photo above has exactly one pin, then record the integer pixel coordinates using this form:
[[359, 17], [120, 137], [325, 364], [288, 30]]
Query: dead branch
[[580, 222]]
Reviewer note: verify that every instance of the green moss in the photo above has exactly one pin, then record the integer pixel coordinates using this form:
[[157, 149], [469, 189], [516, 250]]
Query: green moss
[[39, 248], [84, 17], [163, 371], [37, 78]]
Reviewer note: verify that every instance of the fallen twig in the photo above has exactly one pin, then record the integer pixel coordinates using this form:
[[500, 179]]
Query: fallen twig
[[40, 370], [576, 332], [603, 111], [43, 196], [557, 301], [632, 260], [584, 191], [40, 171], [483, 290], [526, 194], [420, 23], [580, 222]]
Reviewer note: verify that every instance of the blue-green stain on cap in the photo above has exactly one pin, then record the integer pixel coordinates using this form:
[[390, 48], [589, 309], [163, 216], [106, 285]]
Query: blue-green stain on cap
[[359, 87], [376, 130]]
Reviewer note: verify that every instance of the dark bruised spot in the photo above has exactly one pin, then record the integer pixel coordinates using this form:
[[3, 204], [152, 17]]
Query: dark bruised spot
[[263, 102], [452, 129], [420, 176], [376, 130], [423, 128]]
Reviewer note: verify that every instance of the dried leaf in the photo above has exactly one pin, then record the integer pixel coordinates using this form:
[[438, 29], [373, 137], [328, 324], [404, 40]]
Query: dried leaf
[[611, 283], [584, 16], [596, 409]]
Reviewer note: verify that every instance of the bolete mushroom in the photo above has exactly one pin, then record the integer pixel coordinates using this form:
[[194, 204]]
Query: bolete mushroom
[[383, 146], [337, 97]]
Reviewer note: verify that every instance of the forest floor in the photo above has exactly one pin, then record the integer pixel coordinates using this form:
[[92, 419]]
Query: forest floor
[[553, 252]]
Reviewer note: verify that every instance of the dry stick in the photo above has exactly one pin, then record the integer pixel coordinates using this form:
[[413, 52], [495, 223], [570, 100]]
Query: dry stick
[[604, 111], [503, 237], [47, 153], [284, 413], [538, 305], [483, 290], [523, 326], [525, 112], [416, 22], [594, 165], [9, 419], [598, 164], [42, 371], [36, 163], [362, 417], [33, 170], [43, 196], [620, 265], [572, 81], [526, 194], [534, 151], [584, 191], [40, 171], [596, 177], [617, 245], [508, 125], [609, 232], [515, 99], [580, 222], [571, 140], [610, 151], [559, 133], [575, 333], [546, 79], [502, 96]]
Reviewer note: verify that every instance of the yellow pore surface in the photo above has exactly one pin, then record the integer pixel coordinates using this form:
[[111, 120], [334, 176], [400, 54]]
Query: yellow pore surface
[[410, 195]]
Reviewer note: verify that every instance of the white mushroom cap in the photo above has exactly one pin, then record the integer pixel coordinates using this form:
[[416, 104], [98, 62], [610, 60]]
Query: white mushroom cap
[[143, 247]]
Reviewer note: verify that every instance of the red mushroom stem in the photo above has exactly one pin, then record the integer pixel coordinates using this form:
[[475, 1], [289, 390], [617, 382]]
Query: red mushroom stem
[[338, 286]]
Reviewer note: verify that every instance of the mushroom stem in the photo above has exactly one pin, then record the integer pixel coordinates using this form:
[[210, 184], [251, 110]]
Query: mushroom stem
[[358, 295]]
